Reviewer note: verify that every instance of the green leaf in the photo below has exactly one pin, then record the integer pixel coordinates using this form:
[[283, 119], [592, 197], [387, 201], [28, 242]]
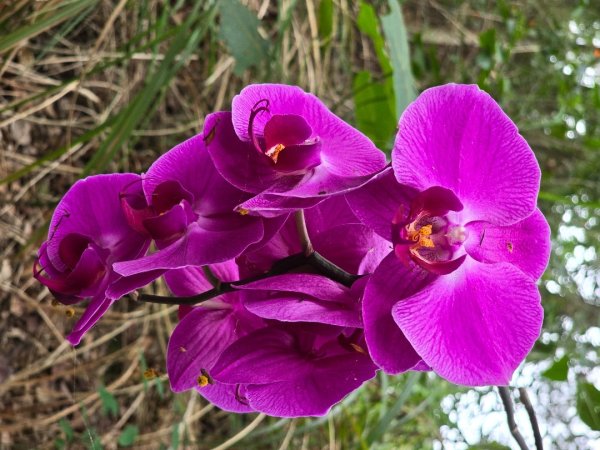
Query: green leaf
[[65, 426], [325, 24], [374, 113], [487, 41], [175, 438], [239, 30], [109, 402], [559, 370], [394, 30], [588, 405], [128, 436], [368, 24], [377, 433]]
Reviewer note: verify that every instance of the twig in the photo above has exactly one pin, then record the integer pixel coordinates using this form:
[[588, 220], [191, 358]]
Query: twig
[[510, 417], [303, 233], [211, 277], [326, 267], [524, 397], [278, 268], [314, 260]]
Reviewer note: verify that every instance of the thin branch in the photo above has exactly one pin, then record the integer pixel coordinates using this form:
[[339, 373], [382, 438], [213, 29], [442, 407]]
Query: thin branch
[[314, 260], [510, 417], [303, 233], [333, 272], [211, 277], [282, 266], [539, 445]]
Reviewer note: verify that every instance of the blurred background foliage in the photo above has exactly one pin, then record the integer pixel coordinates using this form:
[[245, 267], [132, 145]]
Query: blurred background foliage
[[89, 86]]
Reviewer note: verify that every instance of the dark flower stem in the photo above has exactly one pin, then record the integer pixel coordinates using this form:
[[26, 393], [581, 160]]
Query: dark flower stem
[[314, 260], [510, 417], [524, 397], [309, 257], [303, 233]]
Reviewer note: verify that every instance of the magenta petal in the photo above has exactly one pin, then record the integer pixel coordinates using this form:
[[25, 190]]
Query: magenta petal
[[125, 285], [336, 136], [299, 157], [318, 183], [526, 244], [314, 285], [93, 312], [476, 325], [281, 99], [315, 393], [391, 282], [457, 137], [196, 343], [242, 165], [264, 356], [187, 169], [169, 225], [329, 213], [89, 270], [187, 281], [377, 202], [303, 298], [168, 193], [286, 129], [290, 307], [197, 247], [435, 201], [272, 206], [333, 245], [228, 397], [92, 208]]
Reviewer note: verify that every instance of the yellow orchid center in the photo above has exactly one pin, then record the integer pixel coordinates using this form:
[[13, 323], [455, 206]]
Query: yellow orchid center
[[422, 236], [274, 152]]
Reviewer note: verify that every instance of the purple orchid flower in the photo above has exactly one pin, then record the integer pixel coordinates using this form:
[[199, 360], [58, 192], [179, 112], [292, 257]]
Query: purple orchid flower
[[204, 333], [218, 331], [286, 147], [315, 321], [188, 209], [295, 370], [459, 289], [88, 233]]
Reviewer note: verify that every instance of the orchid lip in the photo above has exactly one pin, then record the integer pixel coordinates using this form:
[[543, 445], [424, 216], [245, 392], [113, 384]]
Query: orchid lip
[[287, 140], [426, 235]]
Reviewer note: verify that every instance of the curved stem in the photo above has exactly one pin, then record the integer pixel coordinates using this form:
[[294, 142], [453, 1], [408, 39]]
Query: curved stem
[[210, 276], [303, 233], [510, 417], [329, 269], [314, 260], [539, 445]]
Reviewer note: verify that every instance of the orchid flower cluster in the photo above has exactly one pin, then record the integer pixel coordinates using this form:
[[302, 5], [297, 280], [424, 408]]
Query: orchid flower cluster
[[304, 262]]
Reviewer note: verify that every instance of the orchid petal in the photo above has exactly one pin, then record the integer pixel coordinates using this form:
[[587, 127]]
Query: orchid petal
[[526, 244], [457, 137], [391, 282], [474, 326]]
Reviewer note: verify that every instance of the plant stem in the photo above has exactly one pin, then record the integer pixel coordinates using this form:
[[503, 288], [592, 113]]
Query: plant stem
[[510, 417], [303, 233], [314, 260]]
